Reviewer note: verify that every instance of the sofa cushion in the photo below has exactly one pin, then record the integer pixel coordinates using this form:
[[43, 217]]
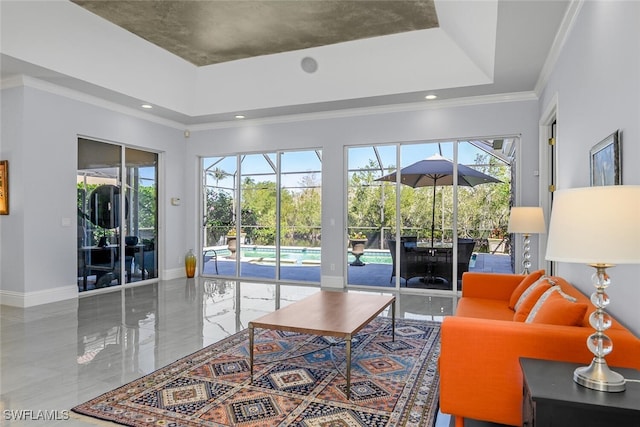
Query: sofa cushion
[[542, 280], [484, 308], [529, 298], [524, 284], [555, 309]]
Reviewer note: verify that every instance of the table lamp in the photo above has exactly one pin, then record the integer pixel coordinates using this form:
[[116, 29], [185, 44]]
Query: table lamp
[[598, 226], [526, 220]]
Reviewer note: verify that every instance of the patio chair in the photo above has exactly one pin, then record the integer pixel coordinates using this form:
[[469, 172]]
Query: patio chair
[[409, 239], [443, 266], [104, 263], [412, 263], [145, 263], [465, 250], [210, 254]]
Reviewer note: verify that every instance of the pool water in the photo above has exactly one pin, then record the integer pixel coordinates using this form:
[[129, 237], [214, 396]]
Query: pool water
[[302, 256], [287, 255]]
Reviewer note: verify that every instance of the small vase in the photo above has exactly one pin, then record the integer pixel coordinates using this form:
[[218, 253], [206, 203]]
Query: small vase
[[190, 264]]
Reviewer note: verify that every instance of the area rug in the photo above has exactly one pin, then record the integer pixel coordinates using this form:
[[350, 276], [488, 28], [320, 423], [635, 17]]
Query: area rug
[[298, 381]]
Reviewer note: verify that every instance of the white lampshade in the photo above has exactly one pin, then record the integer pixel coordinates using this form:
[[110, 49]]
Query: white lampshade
[[526, 219], [595, 225]]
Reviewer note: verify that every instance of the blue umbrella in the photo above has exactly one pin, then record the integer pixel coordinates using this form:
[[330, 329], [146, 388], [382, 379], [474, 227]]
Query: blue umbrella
[[434, 171]]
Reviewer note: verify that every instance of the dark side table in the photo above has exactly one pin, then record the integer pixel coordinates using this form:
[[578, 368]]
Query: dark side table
[[552, 398]]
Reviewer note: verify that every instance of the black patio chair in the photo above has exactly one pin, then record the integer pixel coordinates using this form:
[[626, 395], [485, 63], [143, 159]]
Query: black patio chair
[[465, 250], [442, 267], [412, 263]]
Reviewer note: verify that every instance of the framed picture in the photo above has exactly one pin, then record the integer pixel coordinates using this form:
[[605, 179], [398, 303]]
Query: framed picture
[[606, 161], [4, 187]]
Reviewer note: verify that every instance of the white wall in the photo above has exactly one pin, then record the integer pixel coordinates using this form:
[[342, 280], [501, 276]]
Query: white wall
[[11, 243], [39, 138], [597, 83], [333, 134]]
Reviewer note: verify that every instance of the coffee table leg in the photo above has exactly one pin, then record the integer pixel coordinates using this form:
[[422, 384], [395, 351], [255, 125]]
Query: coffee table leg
[[251, 351], [348, 368]]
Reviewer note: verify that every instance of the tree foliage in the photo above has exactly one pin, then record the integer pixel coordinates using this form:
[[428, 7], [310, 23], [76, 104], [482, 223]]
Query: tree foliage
[[300, 213], [218, 214], [482, 210]]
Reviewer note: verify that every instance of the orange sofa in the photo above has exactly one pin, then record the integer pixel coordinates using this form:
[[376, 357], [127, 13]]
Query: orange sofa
[[480, 375]]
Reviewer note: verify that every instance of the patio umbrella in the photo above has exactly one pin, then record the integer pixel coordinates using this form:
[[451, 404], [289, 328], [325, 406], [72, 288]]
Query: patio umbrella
[[435, 171]]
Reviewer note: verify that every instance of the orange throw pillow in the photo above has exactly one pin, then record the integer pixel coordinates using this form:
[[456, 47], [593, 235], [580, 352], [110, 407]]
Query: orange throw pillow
[[525, 306], [557, 310], [529, 280]]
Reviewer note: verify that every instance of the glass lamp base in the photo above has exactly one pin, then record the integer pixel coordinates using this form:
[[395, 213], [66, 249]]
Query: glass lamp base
[[598, 376], [526, 256]]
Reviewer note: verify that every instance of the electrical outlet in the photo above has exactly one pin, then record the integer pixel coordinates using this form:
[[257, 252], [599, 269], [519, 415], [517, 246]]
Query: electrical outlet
[[179, 259], [333, 267]]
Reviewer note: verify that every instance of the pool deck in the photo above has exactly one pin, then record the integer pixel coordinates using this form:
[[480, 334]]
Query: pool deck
[[368, 275]]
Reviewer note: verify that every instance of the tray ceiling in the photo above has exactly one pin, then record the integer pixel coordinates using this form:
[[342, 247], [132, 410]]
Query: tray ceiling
[[211, 32], [201, 62]]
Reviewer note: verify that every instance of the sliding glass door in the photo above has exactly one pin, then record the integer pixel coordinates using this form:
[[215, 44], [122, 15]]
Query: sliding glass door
[[300, 215], [117, 215], [258, 213], [261, 215], [219, 180], [371, 215], [423, 224]]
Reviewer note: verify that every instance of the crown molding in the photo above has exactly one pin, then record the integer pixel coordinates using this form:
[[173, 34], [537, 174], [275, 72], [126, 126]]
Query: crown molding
[[568, 21], [34, 83], [27, 81], [11, 82], [366, 111]]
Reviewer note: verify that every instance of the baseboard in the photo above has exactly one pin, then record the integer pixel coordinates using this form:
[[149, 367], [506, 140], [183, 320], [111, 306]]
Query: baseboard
[[30, 299], [174, 273]]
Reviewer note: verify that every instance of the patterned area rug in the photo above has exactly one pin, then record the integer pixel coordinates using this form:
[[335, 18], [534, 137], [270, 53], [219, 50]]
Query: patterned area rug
[[298, 381]]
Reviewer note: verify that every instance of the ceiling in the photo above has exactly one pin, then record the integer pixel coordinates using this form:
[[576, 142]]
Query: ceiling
[[203, 62], [211, 32]]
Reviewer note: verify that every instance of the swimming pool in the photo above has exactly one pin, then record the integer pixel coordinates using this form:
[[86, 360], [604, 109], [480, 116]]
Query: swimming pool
[[292, 255]]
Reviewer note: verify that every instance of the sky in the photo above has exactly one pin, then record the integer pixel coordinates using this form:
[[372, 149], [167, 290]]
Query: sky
[[297, 164]]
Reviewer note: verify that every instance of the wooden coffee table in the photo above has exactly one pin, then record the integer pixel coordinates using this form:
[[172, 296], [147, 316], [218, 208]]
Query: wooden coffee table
[[326, 313]]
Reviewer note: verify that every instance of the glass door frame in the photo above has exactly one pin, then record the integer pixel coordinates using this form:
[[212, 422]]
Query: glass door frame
[[275, 160], [118, 250], [472, 149]]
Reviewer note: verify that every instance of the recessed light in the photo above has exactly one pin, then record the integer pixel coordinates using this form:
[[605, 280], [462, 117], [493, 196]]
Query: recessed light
[[239, 116], [430, 97], [146, 106]]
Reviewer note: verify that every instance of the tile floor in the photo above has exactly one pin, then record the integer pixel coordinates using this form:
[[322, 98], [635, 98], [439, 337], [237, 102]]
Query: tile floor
[[55, 356]]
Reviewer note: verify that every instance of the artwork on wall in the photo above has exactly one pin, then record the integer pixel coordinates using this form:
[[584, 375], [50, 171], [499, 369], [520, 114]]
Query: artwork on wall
[[4, 187], [606, 161]]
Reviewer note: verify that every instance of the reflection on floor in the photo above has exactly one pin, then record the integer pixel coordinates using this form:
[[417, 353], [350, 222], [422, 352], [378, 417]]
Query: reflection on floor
[[57, 355]]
